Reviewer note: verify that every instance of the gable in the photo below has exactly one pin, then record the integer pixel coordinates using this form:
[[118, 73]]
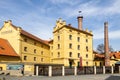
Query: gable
[[7, 29], [59, 24]]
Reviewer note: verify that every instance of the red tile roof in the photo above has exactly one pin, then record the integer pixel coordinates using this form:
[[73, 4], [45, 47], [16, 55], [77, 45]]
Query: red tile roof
[[112, 54], [116, 54], [46, 41], [23, 32], [6, 48], [99, 55]]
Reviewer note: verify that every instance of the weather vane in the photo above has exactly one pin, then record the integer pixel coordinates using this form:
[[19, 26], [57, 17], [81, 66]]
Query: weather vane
[[80, 12]]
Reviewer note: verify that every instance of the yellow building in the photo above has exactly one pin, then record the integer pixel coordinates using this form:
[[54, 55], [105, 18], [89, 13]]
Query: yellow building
[[69, 44], [31, 49], [99, 59]]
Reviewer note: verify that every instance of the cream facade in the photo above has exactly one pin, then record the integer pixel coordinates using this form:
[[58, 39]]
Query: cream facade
[[69, 44], [30, 49]]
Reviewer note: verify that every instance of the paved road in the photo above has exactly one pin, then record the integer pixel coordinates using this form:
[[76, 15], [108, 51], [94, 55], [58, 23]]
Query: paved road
[[79, 77]]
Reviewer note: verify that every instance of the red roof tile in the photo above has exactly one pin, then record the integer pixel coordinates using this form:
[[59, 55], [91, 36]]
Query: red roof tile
[[6, 48], [117, 55], [30, 35], [33, 37], [99, 55], [114, 54]]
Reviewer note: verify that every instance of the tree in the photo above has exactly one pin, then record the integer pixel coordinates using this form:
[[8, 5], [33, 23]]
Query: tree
[[100, 48]]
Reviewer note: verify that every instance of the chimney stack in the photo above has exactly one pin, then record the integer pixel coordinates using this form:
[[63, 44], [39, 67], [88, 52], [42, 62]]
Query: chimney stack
[[106, 43], [80, 20]]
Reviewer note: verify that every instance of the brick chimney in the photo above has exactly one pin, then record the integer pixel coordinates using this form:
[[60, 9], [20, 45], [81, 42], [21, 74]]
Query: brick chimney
[[80, 19], [106, 43]]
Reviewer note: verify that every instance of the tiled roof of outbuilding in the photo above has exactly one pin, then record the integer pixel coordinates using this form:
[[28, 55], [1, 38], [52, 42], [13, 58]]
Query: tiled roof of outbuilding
[[114, 54], [6, 48]]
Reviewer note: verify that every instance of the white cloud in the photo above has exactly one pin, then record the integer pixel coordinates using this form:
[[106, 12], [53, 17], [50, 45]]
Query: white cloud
[[70, 2], [99, 34], [93, 9], [114, 34], [39, 25]]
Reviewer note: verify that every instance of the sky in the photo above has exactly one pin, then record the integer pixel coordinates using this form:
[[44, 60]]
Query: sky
[[39, 17]]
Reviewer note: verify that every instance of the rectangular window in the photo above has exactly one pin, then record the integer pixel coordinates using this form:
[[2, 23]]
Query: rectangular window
[[70, 46], [70, 37], [58, 54], [34, 58], [41, 52], [25, 49], [78, 39], [87, 48], [42, 59], [70, 54], [87, 63], [58, 46], [86, 40], [58, 38], [86, 55], [78, 47], [25, 57], [34, 50], [78, 55]]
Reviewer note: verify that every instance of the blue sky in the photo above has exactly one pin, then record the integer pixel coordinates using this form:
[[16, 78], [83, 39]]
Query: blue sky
[[39, 16]]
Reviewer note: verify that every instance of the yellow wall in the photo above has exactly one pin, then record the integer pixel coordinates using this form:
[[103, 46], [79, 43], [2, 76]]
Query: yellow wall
[[16, 39], [48, 54], [3, 66], [99, 63], [13, 35], [29, 68], [42, 51], [64, 42], [9, 59]]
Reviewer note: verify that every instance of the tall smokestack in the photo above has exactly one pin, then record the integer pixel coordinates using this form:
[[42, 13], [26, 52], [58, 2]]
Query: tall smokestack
[[80, 20], [106, 43]]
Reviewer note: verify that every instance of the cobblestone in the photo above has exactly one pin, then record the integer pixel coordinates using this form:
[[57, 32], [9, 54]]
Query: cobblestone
[[78, 77]]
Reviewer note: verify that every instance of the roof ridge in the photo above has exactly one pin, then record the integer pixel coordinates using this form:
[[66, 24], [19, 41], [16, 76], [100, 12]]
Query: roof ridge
[[33, 36], [24, 32]]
